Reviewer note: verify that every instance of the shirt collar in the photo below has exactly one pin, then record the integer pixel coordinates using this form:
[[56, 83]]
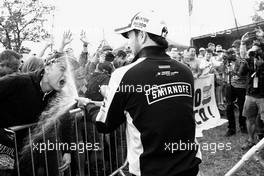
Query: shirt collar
[[152, 52]]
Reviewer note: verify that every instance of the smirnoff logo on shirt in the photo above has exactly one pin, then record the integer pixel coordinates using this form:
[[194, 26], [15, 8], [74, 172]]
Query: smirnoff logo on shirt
[[165, 91]]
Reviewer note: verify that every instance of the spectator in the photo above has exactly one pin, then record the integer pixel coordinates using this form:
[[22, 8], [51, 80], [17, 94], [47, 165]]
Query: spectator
[[201, 53], [236, 46], [211, 46], [237, 91], [192, 62], [108, 59], [32, 64], [33, 89], [120, 59], [9, 62], [206, 63], [192, 52], [254, 103], [65, 131], [219, 54], [100, 77], [219, 67], [175, 54]]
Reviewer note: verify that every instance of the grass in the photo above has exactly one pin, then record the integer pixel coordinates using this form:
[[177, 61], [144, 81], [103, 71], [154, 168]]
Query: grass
[[219, 162]]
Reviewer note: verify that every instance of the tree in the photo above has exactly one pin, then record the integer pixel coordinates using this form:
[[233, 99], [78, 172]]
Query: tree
[[259, 11], [22, 20]]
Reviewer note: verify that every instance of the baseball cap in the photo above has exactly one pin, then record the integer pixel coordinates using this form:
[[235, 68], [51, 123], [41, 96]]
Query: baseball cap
[[202, 49], [147, 21], [106, 48], [218, 48]]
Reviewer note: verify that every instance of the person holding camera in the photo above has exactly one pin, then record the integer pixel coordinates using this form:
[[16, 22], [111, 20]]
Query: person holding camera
[[236, 88], [254, 103]]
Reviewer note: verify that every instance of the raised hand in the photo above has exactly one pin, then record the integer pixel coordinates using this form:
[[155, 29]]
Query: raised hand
[[67, 38], [84, 38], [245, 37]]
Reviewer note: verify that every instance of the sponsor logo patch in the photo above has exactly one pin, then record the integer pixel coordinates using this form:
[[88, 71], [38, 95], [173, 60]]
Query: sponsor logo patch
[[165, 91]]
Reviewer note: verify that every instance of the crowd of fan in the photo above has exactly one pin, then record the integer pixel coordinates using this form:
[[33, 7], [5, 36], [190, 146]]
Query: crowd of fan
[[233, 70], [239, 80], [90, 72], [239, 74]]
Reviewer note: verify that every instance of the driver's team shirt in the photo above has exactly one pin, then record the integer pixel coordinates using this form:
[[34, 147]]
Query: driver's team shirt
[[154, 97]]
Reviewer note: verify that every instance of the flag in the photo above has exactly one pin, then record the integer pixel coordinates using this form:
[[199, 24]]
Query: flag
[[190, 6]]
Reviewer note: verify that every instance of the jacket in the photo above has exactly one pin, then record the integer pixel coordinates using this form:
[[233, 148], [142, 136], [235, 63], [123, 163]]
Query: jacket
[[21, 98], [154, 97]]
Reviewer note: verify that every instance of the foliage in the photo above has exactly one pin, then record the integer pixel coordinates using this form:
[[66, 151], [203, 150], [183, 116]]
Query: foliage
[[259, 9], [22, 20]]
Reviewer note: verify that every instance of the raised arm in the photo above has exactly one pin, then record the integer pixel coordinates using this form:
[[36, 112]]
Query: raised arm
[[66, 39], [243, 47], [48, 44]]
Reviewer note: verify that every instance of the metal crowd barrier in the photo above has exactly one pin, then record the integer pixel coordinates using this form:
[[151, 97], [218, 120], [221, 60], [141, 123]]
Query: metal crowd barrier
[[109, 159], [252, 153]]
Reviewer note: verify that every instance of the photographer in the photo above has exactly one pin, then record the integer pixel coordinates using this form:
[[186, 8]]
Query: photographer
[[236, 88], [254, 103]]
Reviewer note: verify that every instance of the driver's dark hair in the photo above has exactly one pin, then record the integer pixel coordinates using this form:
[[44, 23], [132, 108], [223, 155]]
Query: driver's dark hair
[[159, 40]]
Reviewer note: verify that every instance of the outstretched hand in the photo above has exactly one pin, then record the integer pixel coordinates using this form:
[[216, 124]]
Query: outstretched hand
[[84, 38], [67, 38], [245, 37], [82, 101]]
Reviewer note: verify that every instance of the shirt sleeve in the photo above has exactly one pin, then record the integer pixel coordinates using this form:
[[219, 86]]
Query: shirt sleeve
[[111, 115]]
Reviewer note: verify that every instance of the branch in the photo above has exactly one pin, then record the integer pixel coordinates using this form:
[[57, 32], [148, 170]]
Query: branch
[[28, 23], [29, 12]]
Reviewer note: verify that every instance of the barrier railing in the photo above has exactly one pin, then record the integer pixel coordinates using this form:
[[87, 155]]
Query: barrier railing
[[253, 153], [91, 153]]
